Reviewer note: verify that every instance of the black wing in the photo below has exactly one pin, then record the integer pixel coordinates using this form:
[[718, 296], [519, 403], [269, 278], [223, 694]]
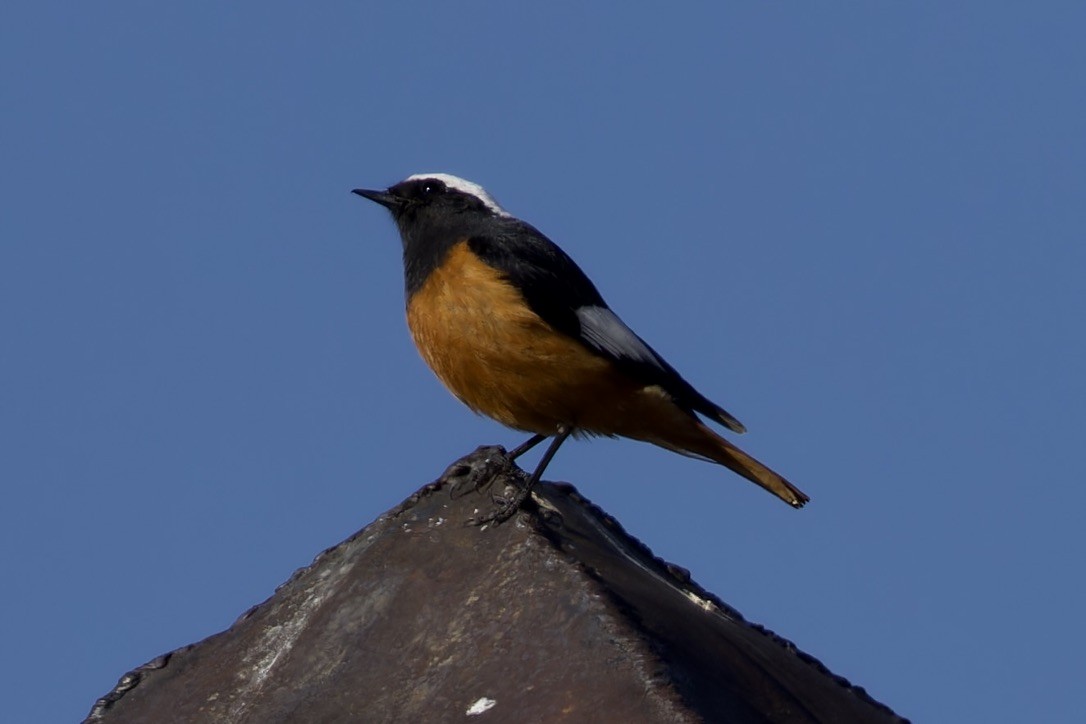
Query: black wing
[[562, 295]]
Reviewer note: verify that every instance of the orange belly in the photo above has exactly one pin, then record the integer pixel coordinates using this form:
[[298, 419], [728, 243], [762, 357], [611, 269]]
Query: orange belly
[[501, 359]]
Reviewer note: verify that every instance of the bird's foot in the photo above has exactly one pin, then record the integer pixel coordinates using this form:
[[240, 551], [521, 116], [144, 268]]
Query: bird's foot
[[478, 471], [505, 506]]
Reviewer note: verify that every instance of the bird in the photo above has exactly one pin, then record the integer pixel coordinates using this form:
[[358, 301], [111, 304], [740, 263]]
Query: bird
[[518, 332]]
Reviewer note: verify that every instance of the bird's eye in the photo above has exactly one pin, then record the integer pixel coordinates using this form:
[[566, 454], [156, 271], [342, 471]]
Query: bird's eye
[[431, 187]]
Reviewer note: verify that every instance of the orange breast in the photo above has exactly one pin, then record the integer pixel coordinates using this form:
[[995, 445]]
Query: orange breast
[[486, 345], [501, 359]]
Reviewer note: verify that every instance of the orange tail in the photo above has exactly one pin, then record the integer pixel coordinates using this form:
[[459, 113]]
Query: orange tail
[[706, 443]]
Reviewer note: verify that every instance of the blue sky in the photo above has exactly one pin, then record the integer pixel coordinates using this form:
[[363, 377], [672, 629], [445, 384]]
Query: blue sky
[[859, 227]]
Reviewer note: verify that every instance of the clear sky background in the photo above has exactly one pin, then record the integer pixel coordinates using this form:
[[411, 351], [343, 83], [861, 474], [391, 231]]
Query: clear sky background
[[857, 226]]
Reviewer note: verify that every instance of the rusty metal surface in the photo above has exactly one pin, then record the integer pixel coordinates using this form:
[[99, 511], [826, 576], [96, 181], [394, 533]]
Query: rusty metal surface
[[556, 615]]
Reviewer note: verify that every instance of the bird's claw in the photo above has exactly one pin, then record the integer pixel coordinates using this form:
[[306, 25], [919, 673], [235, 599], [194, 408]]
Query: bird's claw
[[478, 471], [505, 507]]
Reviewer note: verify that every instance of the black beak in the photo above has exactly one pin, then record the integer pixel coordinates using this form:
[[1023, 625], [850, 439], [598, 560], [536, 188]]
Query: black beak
[[384, 198]]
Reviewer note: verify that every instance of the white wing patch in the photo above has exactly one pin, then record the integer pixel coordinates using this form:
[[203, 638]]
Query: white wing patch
[[602, 328], [464, 186]]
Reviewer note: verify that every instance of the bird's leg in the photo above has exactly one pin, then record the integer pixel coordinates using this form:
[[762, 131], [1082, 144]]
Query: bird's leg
[[525, 447], [506, 507]]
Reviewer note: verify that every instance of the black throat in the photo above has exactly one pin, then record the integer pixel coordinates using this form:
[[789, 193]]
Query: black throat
[[428, 238]]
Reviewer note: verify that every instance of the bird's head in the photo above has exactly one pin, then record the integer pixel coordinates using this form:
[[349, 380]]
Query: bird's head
[[430, 202]]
